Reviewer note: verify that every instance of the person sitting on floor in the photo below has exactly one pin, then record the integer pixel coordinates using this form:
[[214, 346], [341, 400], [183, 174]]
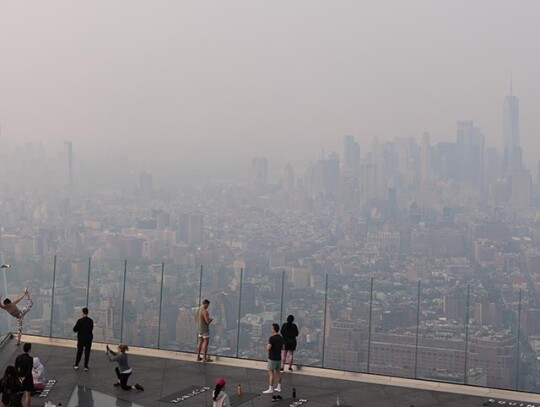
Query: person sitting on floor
[[38, 373]]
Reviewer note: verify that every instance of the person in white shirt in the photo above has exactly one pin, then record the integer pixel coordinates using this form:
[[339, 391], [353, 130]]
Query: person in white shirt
[[219, 397], [38, 374]]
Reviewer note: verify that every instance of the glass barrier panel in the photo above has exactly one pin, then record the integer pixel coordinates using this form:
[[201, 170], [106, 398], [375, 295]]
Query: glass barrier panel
[[70, 294], [259, 309], [493, 337], [221, 286], [445, 313], [36, 273], [347, 323], [181, 290], [304, 299], [105, 298], [392, 349], [141, 304]]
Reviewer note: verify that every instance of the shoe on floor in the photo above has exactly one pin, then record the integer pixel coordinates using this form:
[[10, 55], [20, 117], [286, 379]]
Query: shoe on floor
[[75, 367], [290, 369], [270, 390], [86, 368], [278, 388], [199, 358], [139, 387], [208, 360]]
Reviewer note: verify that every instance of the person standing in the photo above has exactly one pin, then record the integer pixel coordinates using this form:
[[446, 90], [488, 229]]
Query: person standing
[[123, 371], [219, 397], [289, 332], [11, 308], [203, 321], [274, 346], [84, 328], [24, 364]]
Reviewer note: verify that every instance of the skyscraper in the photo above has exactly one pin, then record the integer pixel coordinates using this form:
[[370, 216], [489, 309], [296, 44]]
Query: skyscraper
[[68, 148], [512, 148], [351, 158]]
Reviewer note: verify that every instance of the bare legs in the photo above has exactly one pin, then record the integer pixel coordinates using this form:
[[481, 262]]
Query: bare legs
[[202, 347], [24, 311]]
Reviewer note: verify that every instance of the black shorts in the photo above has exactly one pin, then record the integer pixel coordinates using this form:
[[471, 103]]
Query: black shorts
[[28, 384], [290, 345]]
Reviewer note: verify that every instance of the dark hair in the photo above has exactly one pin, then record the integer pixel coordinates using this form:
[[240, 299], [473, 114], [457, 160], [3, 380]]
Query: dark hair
[[27, 346], [85, 311], [10, 379], [276, 327], [290, 319], [205, 301], [7, 301], [217, 390]]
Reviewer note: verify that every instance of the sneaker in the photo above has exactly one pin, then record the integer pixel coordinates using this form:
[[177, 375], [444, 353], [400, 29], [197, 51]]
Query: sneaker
[[199, 358], [86, 368], [290, 369], [282, 369], [139, 387], [274, 399], [75, 367], [270, 390], [208, 359], [278, 388]]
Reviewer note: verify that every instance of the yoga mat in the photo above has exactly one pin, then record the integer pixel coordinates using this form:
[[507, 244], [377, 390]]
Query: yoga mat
[[185, 394], [48, 387]]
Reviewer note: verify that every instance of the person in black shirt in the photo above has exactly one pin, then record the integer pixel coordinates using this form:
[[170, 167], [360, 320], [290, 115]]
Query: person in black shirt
[[24, 364], [274, 346], [84, 328], [289, 332]]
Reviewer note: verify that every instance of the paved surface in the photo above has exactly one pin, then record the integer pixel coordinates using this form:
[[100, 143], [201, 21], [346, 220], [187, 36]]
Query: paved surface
[[161, 377]]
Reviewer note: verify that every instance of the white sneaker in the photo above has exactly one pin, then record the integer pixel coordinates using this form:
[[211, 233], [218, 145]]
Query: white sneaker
[[278, 388], [269, 391]]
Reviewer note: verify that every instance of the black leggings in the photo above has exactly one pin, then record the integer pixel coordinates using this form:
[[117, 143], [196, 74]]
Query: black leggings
[[123, 377]]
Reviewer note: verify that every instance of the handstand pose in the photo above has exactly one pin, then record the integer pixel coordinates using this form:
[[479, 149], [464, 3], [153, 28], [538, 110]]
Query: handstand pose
[[11, 308]]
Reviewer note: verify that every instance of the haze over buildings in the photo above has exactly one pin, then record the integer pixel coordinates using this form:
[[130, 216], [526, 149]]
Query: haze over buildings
[[209, 82], [371, 168]]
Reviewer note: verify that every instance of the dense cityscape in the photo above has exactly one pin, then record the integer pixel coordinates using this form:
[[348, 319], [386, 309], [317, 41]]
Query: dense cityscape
[[405, 257]]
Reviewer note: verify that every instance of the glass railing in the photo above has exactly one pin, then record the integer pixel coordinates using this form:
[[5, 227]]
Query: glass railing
[[442, 330]]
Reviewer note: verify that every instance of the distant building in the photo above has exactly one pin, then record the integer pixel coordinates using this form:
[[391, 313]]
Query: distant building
[[258, 175], [512, 158]]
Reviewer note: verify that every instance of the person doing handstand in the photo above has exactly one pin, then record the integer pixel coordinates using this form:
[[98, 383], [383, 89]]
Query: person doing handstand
[[11, 308]]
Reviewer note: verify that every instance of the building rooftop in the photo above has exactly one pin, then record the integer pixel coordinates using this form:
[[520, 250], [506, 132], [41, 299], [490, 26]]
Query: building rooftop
[[167, 375]]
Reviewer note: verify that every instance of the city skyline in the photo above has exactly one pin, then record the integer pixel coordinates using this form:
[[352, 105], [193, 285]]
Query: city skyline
[[206, 82]]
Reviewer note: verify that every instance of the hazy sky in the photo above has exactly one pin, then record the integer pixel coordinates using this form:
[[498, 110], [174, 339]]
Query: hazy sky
[[192, 79]]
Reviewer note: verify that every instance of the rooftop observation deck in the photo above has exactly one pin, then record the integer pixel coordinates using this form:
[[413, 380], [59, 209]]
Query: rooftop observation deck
[[167, 375]]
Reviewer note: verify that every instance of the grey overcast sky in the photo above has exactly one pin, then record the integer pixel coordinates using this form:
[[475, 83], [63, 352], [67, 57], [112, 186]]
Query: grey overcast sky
[[244, 78]]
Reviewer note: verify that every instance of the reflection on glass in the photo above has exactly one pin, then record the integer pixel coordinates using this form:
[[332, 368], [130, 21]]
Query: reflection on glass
[[86, 397]]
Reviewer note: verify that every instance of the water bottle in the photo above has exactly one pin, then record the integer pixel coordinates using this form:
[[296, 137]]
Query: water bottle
[[239, 390], [294, 392], [338, 403]]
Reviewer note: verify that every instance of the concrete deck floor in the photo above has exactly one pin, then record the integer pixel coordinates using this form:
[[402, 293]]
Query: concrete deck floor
[[162, 376]]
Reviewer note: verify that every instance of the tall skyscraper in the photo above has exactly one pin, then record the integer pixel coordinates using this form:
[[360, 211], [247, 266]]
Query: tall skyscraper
[[258, 175], [351, 158], [512, 149], [470, 150], [68, 148]]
